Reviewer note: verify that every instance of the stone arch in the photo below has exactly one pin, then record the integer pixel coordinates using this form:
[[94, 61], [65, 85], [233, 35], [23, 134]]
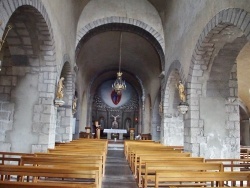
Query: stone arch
[[29, 60], [229, 29], [172, 122], [43, 24], [125, 24], [124, 20], [244, 124], [245, 114], [64, 126], [118, 25], [68, 82]]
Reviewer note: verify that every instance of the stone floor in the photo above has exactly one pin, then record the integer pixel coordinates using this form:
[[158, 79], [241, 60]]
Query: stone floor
[[118, 173]]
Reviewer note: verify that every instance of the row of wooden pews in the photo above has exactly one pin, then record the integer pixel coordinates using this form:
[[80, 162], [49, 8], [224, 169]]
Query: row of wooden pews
[[80, 163], [244, 152], [155, 165]]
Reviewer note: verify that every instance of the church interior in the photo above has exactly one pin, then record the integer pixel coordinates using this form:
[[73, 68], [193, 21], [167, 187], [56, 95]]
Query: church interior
[[127, 78]]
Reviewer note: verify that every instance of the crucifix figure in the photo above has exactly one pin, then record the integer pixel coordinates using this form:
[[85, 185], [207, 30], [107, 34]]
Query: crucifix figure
[[115, 117], [115, 123]]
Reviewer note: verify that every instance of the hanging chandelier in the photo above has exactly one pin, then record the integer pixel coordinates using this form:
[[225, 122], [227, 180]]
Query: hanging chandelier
[[119, 85]]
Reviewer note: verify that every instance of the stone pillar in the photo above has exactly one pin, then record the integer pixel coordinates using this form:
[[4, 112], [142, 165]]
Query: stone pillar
[[64, 125], [6, 124], [44, 125], [244, 132]]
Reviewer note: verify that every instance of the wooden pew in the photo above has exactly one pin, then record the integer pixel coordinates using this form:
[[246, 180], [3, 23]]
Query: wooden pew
[[81, 152], [152, 167], [64, 162], [139, 145], [90, 174], [153, 156], [12, 184], [164, 160], [244, 152], [12, 157], [133, 157], [129, 143], [173, 178], [233, 164], [132, 150]]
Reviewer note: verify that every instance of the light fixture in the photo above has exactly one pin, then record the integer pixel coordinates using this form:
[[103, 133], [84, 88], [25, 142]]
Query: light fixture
[[9, 27], [119, 84]]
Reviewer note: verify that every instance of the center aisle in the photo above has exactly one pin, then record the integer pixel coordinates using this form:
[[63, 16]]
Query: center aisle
[[117, 172]]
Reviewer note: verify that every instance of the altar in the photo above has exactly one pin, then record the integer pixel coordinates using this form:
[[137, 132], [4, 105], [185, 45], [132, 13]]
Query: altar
[[119, 131]]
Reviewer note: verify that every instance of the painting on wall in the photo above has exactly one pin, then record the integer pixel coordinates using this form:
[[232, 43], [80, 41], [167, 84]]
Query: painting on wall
[[111, 98], [115, 97]]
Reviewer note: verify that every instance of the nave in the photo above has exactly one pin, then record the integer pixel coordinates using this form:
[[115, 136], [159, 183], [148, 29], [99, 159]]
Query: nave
[[99, 163]]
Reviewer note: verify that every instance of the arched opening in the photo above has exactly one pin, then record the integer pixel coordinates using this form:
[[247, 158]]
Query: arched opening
[[132, 102], [214, 110], [64, 124], [173, 124], [28, 83]]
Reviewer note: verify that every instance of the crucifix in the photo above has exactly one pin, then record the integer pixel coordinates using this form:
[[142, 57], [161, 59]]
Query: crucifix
[[115, 123]]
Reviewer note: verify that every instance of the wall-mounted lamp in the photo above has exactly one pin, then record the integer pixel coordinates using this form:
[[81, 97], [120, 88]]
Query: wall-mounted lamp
[[183, 106], [9, 27]]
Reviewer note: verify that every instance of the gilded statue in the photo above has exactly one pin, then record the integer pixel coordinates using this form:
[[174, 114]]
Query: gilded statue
[[59, 94], [160, 107], [74, 104], [181, 90]]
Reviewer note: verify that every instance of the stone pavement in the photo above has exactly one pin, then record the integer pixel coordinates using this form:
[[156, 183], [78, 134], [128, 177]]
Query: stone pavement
[[118, 173]]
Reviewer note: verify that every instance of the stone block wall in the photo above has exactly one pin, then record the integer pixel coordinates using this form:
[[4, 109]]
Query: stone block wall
[[64, 125], [172, 120], [6, 123], [174, 131]]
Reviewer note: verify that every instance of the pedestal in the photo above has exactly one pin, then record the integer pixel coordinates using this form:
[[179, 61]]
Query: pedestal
[[108, 136], [98, 133], [132, 133], [88, 131], [120, 136]]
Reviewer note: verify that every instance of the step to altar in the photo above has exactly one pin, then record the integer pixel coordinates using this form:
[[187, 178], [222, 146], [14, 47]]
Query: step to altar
[[115, 145]]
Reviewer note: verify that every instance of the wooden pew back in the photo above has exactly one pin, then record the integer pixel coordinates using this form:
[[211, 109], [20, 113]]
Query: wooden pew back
[[173, 177], [35, 172], [152, 167]]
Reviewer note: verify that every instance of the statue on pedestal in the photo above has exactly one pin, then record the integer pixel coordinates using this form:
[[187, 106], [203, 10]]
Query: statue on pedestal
[[182, 93], [74, 104], [59, 94]]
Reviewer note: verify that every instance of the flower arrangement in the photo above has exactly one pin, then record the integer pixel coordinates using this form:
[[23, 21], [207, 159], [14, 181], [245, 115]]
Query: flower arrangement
[[115, 135]]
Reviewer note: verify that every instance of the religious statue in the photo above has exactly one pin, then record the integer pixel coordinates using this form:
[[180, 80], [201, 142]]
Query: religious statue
[[127, 124], [182, 93], [74, 104], [160, 108], [59, 94], [102, 123], [115, 117], [115, 123]]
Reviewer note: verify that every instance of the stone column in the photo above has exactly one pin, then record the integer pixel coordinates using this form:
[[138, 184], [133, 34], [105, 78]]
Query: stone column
[[244, 131]]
